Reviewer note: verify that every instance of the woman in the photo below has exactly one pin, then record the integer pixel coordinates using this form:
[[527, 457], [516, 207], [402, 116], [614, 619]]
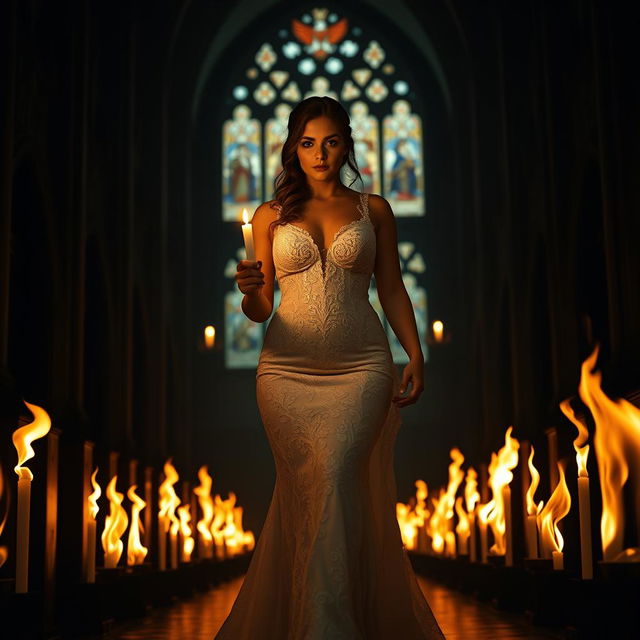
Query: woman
[[329, 563]]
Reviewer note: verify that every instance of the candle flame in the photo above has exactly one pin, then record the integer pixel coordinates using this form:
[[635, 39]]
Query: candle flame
[[411, 517], [532, 508], [187, 541], [471, 495], [136, 551], [203, 491], [441, 521], [616, 442], [3, 550], [500, 476], [579, 444], [245, 216], [462, 529], [115, 525], [169, 500], [93, 498], [25, 435], [556, 508]]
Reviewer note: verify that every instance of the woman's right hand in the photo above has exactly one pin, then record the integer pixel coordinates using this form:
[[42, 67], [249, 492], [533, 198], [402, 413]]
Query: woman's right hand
[[249, 277]]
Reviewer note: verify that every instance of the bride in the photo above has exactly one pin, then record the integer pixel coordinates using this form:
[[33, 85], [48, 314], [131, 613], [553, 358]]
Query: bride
[[329, 563]]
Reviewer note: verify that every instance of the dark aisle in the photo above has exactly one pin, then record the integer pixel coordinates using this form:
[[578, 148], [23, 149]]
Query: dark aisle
[[461, 618]]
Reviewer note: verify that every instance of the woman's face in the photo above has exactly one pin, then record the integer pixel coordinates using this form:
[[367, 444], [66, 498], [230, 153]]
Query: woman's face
[[321, 144]]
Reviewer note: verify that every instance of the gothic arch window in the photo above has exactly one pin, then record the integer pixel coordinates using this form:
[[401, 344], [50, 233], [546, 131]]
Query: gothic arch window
[[321, 52]]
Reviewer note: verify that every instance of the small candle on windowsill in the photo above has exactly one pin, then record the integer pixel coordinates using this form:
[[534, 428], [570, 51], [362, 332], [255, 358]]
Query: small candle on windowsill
[[247, 234], [438, 330], [209, 337]]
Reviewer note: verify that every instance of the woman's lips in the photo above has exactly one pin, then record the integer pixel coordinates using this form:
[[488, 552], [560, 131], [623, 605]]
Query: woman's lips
[[321, 167]]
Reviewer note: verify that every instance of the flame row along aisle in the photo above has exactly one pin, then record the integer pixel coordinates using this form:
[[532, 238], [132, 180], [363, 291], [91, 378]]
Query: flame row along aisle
[[451, 525], [219, 531]]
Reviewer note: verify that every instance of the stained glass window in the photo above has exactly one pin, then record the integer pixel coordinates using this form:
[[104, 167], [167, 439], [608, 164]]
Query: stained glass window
[[320, 52]]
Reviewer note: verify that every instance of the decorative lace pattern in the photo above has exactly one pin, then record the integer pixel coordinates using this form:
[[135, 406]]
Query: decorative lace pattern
[[329, 563]]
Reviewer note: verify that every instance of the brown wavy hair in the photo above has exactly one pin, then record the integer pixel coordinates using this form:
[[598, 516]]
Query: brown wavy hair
[[291, 189]]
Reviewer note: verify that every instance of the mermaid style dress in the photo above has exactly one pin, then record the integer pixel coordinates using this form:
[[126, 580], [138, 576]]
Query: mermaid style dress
[[329, 563]]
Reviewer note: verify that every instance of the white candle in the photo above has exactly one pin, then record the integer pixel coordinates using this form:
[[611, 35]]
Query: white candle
[[463, 544], [162, 543], [473, 556], [558, 560], [506, 498], [91, 551], [532, 536], [174, 547], [247, 234], [585, 528], [22, 540], [483, 540]]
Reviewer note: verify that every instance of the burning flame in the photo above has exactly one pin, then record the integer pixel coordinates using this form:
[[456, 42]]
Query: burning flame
[[441, 521], [115, 525], [93, 498], [579, 444], [169, 500], [471, 495], [412, 517], [3, 550], [136, 551], [217, 526], [533, 509], [203, 491], [25, 435], [228, 534], [187, 541], [617, 445], [500, 476], [556, 508], [463, 529]]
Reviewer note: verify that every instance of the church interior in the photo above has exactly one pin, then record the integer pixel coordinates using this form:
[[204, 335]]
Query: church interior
[[135, 473]]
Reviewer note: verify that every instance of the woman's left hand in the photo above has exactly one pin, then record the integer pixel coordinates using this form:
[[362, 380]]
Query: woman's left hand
[[414, 373]]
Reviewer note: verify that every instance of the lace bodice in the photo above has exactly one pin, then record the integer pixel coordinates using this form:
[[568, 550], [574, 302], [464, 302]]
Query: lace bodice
[[324, 303]]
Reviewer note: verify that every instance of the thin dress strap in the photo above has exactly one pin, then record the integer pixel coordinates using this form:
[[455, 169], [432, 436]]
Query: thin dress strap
[[364, 206]]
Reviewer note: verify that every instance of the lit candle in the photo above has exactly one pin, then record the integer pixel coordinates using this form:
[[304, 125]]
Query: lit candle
[[584, 503], [91, 529], [483, 539], [531, 509], [558, 560], [450, 544], [473, 555], [506, 497], [438, 329], [173, 534], [247, 234], [22, 438], [162, 542], [209, 336], [585, 528]]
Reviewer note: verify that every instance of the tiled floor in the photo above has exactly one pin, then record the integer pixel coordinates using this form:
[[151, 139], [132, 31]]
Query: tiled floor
[[461, 618]]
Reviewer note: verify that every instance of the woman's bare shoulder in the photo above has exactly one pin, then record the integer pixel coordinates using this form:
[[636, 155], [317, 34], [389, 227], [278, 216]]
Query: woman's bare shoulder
[[266, 212], [379, 210]]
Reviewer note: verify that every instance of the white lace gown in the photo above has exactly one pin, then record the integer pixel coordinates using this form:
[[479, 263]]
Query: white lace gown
[[329, 563]]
